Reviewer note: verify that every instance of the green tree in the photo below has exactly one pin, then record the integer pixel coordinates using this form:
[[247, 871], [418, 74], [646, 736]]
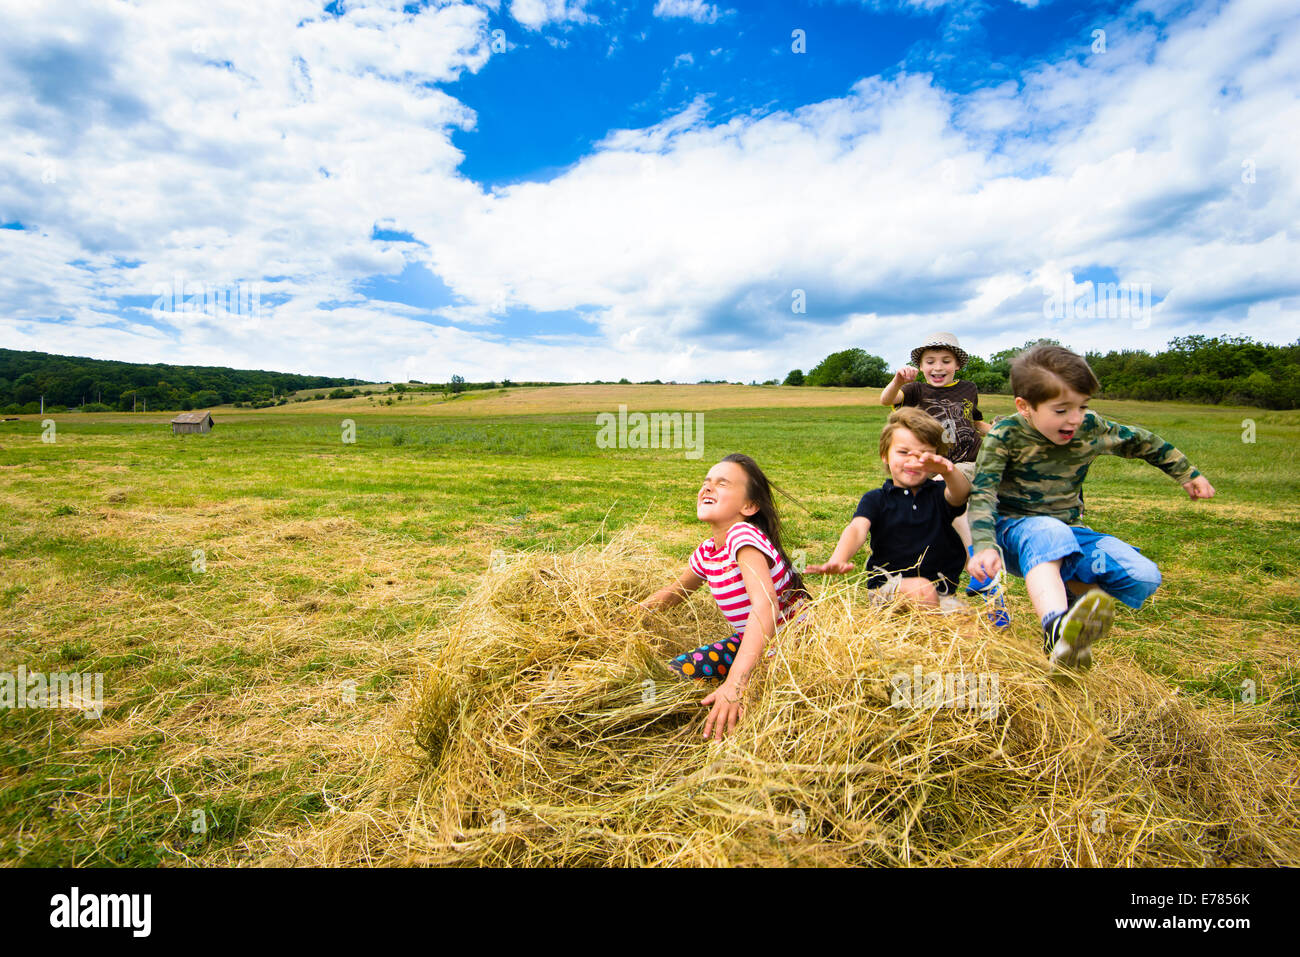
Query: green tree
[[853, 368], [794, 378], [985, 377], [1006, 355], [26, 388]]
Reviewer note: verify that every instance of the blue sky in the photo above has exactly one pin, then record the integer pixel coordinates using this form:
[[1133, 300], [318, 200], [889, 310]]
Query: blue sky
[[545, 106], [549, 189], [635, 69]]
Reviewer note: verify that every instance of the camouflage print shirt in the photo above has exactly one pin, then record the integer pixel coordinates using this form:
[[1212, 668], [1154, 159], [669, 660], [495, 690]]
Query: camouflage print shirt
[[1021, 472]]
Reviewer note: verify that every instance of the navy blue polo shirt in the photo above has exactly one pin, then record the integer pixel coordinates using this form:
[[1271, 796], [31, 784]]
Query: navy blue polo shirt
[[912, 534]]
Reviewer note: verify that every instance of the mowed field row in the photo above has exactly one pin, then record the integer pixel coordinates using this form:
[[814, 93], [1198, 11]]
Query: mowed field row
[[259, 599]]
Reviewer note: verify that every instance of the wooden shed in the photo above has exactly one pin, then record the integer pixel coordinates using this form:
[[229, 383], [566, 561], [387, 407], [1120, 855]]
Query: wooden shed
[[192, 422]]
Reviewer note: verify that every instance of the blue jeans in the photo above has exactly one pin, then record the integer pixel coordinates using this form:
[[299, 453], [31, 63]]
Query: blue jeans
[[1086, 556]]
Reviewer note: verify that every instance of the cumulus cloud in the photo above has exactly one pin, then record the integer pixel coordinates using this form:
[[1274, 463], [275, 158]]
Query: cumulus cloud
[[258, 141], [903, 203]]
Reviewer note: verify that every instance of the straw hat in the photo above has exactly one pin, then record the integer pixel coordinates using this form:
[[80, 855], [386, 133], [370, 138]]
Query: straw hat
[[941, 340]]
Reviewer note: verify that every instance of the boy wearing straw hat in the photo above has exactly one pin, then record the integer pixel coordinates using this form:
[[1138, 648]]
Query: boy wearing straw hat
[[931, 384]]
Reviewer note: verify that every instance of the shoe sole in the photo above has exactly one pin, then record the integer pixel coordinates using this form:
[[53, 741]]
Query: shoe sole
[[1086, 622]]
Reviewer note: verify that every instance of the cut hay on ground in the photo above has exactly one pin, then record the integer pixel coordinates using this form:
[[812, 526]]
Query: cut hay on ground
[[549, 731]]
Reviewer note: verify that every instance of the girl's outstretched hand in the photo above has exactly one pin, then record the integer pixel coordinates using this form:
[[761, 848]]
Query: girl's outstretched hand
[[1199, 487], [830, 568], [728, 709]]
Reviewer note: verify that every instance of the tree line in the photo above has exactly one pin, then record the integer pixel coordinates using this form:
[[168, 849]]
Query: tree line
[[1221, 369], [104, 385], [1229, 370]]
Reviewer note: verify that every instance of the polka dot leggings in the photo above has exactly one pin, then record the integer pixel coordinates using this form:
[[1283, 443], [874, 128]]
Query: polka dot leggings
[[707, 661]]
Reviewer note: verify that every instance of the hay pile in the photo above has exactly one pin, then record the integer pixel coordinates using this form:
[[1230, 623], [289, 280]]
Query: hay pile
[[550, 731]]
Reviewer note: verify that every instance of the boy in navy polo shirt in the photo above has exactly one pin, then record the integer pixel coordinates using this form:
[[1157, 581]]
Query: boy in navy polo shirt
[[916, 554]]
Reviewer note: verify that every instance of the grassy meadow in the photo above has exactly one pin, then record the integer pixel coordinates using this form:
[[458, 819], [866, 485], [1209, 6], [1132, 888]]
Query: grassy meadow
[[260, 599]]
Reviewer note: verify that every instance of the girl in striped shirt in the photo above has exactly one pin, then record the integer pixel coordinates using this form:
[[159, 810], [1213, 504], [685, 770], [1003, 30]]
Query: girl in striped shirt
[[751, 579]]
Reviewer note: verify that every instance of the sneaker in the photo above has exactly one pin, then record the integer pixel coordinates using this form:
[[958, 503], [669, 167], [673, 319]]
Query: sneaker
[[1068, 638], [997, 609], [995, 606]]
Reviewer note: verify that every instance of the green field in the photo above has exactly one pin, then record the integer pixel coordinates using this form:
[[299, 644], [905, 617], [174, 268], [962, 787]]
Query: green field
[[252, 688]]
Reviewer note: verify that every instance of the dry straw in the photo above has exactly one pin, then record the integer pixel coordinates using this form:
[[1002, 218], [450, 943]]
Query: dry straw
[[548, 731]]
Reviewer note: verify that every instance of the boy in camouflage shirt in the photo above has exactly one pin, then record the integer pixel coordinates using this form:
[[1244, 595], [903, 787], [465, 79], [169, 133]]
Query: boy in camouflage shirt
[[1027, 500]]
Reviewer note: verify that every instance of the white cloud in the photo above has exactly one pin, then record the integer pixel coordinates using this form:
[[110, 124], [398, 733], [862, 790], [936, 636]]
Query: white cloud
[[877, 203], [696, 10], [535, 14], [270, 151], [927, 5]]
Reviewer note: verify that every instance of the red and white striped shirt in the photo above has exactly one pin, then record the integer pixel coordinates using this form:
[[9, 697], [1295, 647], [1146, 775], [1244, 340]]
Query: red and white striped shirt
[[718, 567]]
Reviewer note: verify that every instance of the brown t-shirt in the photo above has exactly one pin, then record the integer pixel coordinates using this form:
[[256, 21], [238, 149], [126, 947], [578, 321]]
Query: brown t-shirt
[[956, 407]]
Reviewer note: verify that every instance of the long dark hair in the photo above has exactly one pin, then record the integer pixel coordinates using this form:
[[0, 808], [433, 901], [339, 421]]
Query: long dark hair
[[759, 491]]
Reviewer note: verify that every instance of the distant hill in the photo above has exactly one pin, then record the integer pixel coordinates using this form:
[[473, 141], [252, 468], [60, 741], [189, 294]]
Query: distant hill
[[103, 384]]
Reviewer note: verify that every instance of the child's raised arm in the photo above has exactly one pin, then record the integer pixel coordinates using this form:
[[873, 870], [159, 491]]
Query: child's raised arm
[[1134, 442], [902, 376], [851, 541]]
